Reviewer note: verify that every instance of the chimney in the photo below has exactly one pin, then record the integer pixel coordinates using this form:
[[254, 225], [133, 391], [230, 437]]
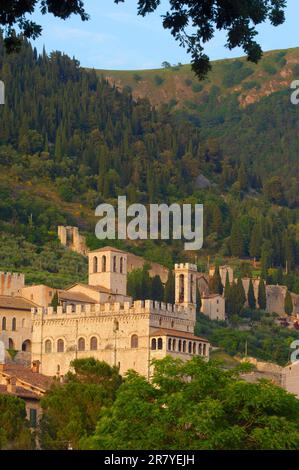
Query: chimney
[[35, 367], [11, 385]]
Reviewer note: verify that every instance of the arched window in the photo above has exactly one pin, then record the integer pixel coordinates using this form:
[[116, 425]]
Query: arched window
[[181, 288], [204, 349], [160, 343], [95, 264], [114, 264], [81, 344], [134, 341], [191, 288], [169, 344], [160, 321], [154, 344], [26, 346], [60, 346], [11, 344], [194, 348], [4, 323], [189, 347], [174, 345], [200, 349], [184, 346], [104, 264], [172, 324], [121, 265], [48, 346], [93, 343], [14, 324], [180, 345]]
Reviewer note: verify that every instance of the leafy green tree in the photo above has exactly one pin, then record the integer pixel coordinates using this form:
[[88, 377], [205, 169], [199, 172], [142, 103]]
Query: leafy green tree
[[288, 304], [250, 296], [71, 410], [214, 410], [262, 297], [256, 241], [14, 428]]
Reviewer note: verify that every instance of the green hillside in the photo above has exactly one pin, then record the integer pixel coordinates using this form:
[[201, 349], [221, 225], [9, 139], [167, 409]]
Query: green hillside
[[178, 85], [70, 141]]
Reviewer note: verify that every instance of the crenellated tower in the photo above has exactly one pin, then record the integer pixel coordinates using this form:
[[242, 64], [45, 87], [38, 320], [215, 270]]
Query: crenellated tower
[[107, 267]]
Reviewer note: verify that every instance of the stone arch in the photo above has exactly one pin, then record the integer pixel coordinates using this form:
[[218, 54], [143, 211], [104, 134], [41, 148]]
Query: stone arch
[[4, 323], [60, 345], [134, 341], [81, 344], [160, 343], [26, 345], [114, 267], [104, 263], [181, 288], [11, 344], [48, 346], [154, 344], [121, 265], [95, 264], [14, 324], [93, 343]]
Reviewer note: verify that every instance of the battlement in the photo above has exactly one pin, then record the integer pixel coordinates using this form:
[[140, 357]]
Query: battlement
[[186, 266], [11, 283], [90, 310]]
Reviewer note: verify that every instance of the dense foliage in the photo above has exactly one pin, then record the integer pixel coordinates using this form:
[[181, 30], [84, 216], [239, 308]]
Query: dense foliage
[[214, 410]]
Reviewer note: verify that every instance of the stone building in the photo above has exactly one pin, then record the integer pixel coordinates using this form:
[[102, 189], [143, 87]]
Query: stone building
[[113, 328], [15, 325], [213, 306], [11, 283], [26, 383], [71, 238]]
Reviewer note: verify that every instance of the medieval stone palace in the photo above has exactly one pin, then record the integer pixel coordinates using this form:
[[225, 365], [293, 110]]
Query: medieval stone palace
[[100, 320]]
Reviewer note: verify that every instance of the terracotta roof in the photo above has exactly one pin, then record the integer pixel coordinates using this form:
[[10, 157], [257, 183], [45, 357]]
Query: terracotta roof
[[25, 374], [177, 334], [94, 288], [75, 296], [108, 248], [20, 392], [18, 303]]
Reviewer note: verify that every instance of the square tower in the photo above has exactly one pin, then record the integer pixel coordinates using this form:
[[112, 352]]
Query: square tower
[[185, 283], [107, 267]]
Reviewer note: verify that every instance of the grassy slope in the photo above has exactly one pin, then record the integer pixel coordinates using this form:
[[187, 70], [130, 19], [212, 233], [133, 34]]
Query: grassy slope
[[181, 85]]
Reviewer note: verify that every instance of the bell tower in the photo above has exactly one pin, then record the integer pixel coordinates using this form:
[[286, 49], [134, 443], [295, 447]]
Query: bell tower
[[107, 267], [185, 284]]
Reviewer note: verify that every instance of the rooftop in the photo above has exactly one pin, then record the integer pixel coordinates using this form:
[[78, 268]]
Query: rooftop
[[20, 392], [108, 248], [26, 375], [18, 303], [177, 334]]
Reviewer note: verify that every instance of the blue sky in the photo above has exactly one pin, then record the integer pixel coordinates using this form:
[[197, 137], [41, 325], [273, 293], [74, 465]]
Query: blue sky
[[116, 38]]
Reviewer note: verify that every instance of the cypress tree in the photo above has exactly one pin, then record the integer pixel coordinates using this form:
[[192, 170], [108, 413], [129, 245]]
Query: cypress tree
[[215, 284], [250, 296], [198, 300], [262, 298], [236, 241], [55, 300], [157, 289], [169, 291]]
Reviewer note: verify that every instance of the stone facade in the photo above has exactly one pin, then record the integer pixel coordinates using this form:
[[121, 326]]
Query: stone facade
[[11, 283], [213, 306], [71, 238], [121, 332]]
